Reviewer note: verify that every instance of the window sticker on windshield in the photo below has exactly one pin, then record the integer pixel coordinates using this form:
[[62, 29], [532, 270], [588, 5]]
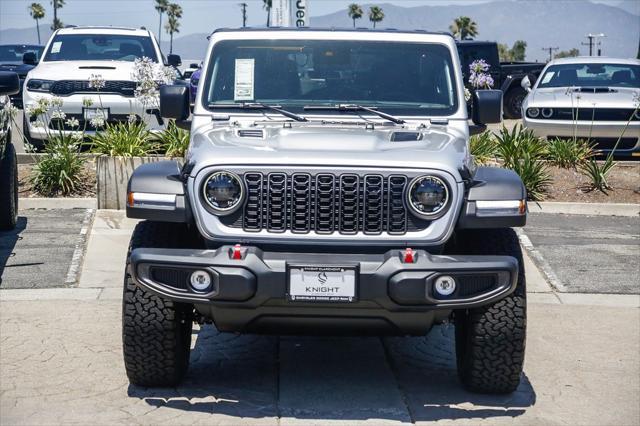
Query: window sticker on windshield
[[55, 47], [243, 89], [547, 77]]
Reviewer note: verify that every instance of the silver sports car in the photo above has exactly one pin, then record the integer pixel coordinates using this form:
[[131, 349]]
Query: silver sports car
[[591, 98]]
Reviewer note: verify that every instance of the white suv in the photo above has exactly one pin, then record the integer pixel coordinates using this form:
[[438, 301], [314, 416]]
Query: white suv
[[72, 57]]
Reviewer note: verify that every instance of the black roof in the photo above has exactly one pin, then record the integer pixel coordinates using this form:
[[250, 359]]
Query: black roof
[[345, 29]]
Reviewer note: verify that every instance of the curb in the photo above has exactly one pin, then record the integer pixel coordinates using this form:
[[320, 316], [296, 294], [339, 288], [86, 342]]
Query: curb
[[57, 203], [589, 209], [32, 158]]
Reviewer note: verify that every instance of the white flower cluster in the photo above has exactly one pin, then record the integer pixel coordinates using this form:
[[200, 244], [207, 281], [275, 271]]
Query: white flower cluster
[[96, 82], [148, 76]]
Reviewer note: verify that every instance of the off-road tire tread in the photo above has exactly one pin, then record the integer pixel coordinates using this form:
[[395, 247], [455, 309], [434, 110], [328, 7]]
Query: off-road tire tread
[[156, 332], [8, 187], [490, 340]]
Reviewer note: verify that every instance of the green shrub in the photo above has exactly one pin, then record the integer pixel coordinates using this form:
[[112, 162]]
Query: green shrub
[[569, 153], [483, 147], [524, 153], [60, 170], [173, 141], [130, 139]]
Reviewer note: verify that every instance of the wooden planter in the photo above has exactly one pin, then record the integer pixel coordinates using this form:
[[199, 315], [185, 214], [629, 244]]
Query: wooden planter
[[112, 174]]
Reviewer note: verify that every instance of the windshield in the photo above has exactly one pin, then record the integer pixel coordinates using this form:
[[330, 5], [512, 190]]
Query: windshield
[[100, 47], [13, 53], [591, 75], [399, 78]]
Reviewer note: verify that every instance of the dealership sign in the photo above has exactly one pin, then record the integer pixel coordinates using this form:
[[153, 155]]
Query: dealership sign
[[290, 13]]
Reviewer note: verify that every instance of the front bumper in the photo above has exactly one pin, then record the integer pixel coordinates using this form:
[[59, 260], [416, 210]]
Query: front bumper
[[117, 106], [610, 130], [392, 297]]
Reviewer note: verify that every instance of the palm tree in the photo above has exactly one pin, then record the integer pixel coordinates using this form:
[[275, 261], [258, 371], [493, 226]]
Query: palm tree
[[355, 12], [57, 23], [464, 27], [161, 6], [376, 15], [37, 12], [266, 4], [174, 12]]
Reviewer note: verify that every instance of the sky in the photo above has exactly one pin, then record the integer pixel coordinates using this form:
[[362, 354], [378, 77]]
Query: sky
[[199, 15]]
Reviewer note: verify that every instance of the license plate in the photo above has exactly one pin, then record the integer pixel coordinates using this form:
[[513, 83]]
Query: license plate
[[322, 283], [91, 113]]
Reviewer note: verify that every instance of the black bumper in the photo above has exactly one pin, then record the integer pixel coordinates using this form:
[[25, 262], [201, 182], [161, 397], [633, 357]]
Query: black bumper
[[392, 297]]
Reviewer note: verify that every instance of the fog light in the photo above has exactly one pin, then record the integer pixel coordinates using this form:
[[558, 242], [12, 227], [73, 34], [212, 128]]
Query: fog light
[[445, 285], [200, 280]]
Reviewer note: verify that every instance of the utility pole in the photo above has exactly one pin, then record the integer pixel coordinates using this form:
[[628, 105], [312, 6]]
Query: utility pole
[[550, 50], [593, 41], [244, 14]]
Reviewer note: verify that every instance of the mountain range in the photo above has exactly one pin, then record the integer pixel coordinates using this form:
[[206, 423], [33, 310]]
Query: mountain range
[[542, 24]]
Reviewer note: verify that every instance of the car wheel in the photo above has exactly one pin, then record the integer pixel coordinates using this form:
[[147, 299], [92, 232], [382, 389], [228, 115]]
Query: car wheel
[[490, 340], [513, 102], [8, 187], [156, 332]]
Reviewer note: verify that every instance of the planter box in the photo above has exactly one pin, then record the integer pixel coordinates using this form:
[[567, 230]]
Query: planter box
[[112, 175]]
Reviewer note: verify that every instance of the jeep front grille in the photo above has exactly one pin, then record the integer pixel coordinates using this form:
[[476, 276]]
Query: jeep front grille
[[325, 203]]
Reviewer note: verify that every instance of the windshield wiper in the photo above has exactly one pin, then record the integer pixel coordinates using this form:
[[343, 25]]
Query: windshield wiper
[[355, 107], [258, 105]]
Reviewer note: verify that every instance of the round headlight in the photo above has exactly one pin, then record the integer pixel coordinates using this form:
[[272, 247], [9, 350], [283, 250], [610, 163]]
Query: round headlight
[[223, 192], [427, 196], [547, 112], [533, 112]]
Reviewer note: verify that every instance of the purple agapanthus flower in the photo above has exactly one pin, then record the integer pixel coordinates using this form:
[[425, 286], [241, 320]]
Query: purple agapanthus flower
[[479, 77]]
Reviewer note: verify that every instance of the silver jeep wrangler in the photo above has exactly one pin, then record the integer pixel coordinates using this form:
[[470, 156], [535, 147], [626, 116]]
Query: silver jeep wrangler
[[328, 188]]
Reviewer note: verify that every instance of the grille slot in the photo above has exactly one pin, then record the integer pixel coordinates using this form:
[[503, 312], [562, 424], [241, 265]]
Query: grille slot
[[325, 203], [250, 133], [68, 87]]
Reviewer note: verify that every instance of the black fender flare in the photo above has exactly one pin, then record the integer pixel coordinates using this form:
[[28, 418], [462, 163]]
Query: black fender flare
[[163, 178]]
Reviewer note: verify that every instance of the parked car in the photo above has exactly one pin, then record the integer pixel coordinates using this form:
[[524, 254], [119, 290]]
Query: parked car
[[592, 98], [506, 75], [72, 56], [19, 58], [325, 191], [193, 84], [188, 72], [9, 85]]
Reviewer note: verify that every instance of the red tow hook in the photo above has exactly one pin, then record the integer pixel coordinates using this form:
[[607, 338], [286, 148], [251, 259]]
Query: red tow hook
[[237, 252], [409, 256]]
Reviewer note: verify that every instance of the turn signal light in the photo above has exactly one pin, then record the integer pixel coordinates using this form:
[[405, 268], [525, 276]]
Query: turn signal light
[[408, 256]]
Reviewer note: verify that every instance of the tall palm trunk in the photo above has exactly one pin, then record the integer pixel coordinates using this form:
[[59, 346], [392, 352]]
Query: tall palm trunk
[[160, 32], [171, 43], [38, 29], [354, 22]]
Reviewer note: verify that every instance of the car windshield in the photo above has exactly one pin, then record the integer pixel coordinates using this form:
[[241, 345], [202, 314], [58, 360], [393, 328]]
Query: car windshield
[[591, 75], [398, 78], [13, 53], [100, 47]]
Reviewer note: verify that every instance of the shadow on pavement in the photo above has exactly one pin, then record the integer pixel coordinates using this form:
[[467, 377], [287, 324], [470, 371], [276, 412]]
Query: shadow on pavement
[[8, 240], [249, 376]]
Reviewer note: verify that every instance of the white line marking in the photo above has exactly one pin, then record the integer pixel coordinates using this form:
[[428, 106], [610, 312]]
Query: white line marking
[[78, 252]]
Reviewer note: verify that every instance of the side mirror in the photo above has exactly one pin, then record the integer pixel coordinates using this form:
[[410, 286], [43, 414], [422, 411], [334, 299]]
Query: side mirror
[[174, 60], [174, 102], [9, 83], [487, 106], [30, 58]]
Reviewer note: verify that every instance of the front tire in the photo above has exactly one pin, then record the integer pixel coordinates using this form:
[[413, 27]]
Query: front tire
[[513, 102], [156, 332], [8, 187], [490, 340]]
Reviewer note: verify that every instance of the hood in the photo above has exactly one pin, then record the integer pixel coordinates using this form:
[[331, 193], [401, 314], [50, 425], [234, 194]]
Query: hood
[[17, 67], [565, 97], [82, 70], [310, 144]]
